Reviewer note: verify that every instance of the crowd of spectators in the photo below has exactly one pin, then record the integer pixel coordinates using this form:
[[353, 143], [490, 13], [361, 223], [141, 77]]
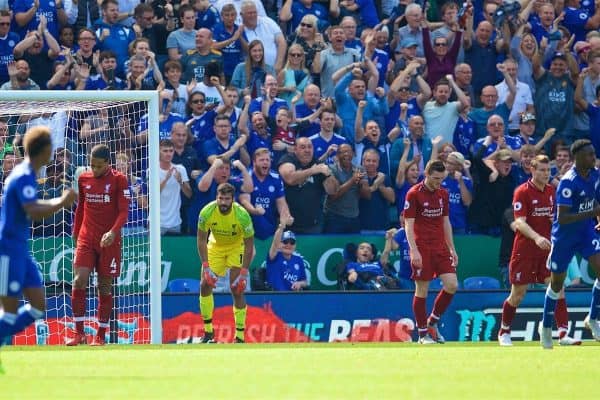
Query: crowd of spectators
[[323, 111]]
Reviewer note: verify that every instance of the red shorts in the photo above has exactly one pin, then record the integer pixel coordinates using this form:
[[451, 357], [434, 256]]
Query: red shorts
[[526, 270], [105, 260], [435, 263]]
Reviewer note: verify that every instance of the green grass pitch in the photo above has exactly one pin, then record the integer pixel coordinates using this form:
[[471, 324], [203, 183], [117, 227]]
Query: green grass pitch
[[302, 371]]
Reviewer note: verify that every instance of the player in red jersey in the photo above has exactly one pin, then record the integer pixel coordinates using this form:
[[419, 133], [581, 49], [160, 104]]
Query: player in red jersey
[[101, 213], [533, 206], [432, 251]]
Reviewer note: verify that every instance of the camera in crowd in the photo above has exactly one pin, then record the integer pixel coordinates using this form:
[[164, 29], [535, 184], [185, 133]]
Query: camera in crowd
[[506, 12]]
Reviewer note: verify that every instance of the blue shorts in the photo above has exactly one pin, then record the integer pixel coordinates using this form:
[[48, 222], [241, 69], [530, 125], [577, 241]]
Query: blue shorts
[[562, 251], [18, 271]]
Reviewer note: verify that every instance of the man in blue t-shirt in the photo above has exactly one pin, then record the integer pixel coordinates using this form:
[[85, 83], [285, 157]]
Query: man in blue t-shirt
[[20, 204], [8, 41], [114, 36], [285, 267], [592, 109], [460, 190], [267, 200], [573, 231]]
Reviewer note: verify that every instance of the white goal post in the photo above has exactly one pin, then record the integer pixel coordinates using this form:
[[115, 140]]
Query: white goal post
[[14, 103]]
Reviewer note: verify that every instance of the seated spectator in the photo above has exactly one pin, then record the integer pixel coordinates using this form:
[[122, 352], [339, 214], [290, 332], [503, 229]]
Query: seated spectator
[[560, 164], [342, 206], [195, 60], [374, 215], [249, 76], [33, 50], [267, 200], [64, 77], [152, 76], [227, 36], [369, 137], [166, 119], [19, 72], [182, 40], [294, 77], [53, 185], [285, 267], [395, 239], [211, 84], [366, 273], [114, 36], [173, 181], [460, 190], [305, 186], [493, 193], [105, 79]]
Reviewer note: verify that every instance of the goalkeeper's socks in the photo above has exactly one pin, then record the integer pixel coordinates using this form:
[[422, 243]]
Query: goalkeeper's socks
[[239, 315], [595, 306], [78, 306], [25, 317], [561, 314], [207, 306], [7, 323], [549, 307]]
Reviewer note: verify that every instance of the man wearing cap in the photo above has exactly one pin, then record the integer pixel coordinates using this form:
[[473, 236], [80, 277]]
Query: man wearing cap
[[554, 95], [494, 192], [285, 267], [460, 190], [527, 129]]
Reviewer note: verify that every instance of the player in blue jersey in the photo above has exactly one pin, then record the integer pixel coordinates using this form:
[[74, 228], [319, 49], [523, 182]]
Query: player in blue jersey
[[573, 232], [19, 273]]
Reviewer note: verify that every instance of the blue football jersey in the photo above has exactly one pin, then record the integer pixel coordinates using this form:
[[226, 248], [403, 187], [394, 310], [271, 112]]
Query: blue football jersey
[[19, 188], [265, 194], [579, 194]]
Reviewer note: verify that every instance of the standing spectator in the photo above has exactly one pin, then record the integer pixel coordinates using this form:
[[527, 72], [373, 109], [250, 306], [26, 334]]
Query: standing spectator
[[416, 141], [332, 59], [342, 206], [432, 251], [369, 137], [156, 34], [495, 129], [268, 103], [173, 180], [86, 41], [249, 76], [325, 143], [395, 239], [194, 61], [349, 25], [267, 200], [441, 59], [441, 115], [207, 16], [296, 10], [374, 206], [294, 77], [19, 73], [460, 190], [28, 15], [227, 37], [266, 30], [305, 187], [463, 75], [591, 108], [285, 267], [554, 95], [224, 145], [8, 41], [310, 105], [412, 30], [307, 35], [183, 39], [580, 19], [114, 36], [523, 98], [138, 201], [238, 5], [493, 193], [31, 49], [173, 85], [105, 79]]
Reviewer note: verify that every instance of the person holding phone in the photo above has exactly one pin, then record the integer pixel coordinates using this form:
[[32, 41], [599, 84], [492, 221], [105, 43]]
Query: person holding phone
[[106, 79], [342, 206]]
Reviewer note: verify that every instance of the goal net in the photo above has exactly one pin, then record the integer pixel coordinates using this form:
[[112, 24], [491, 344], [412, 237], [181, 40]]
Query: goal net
[[78, 121]]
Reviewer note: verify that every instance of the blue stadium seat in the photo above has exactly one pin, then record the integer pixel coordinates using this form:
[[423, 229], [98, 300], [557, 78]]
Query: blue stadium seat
[[184, 285], [481, 282]]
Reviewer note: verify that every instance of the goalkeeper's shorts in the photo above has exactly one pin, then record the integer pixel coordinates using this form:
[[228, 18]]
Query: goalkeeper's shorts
[[222, 258]]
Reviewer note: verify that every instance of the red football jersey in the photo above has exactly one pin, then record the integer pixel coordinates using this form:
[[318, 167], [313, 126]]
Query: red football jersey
[[103, 205], [428, 209], [537, 206]]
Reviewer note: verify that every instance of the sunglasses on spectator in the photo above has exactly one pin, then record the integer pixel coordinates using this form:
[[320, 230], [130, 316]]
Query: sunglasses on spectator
[[440, 44], [289, 241], [197, 101], [305, 25], [496, 124], [297, 55], [4, 23]]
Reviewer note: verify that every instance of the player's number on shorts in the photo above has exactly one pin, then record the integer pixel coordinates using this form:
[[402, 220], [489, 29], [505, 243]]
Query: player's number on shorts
[[113, 266], [596, 244]]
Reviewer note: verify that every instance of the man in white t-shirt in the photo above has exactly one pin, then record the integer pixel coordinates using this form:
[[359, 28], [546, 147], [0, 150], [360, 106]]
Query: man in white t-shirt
[[238, 8], [173, 181], [439, 114], [523, 99], [267, 31]]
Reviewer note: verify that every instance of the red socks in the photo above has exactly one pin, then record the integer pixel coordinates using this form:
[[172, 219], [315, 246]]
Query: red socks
[[442, 301], [508, 314], [78, 305], [420, 311], [104, 310]]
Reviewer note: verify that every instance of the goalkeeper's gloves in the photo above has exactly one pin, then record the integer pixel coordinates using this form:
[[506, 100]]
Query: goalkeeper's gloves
[[209, 276], [239, 284]]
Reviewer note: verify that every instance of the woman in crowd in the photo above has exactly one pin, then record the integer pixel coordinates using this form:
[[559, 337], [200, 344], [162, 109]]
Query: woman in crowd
[[294, 76], [250, 75]]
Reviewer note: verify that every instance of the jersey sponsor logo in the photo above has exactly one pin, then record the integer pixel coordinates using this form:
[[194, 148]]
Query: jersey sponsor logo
[[566, 193], [406, 205], [28, 192], [107, 188], [586, 206], [517, 206]]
